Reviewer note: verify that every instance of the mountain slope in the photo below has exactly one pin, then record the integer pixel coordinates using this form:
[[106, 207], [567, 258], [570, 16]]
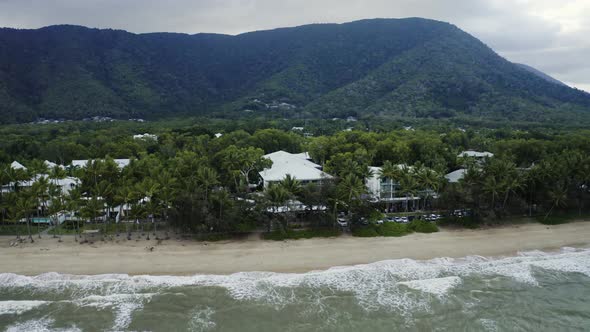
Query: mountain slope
[[540, 74], [408, 67]]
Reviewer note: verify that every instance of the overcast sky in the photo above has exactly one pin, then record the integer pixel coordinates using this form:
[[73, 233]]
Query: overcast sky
[[550, 35]]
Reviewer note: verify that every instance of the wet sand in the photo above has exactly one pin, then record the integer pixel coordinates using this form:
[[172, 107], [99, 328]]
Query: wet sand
[[185, 257]]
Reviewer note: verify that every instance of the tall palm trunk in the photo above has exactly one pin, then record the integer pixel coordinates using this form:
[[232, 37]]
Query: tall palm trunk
[[29, 229]]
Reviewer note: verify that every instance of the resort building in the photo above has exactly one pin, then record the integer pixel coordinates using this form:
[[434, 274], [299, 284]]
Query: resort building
[[383, 189], [66, 184], [386, 190], [455, 176], [146, 137], [16, 165], [122, 163], [299, 166], [475, 154]]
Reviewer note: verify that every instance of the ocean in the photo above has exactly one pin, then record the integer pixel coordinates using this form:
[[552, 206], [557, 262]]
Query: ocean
[[532, 291]]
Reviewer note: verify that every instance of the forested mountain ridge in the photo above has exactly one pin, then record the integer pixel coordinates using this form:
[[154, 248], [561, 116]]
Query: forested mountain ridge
[[383, 67]]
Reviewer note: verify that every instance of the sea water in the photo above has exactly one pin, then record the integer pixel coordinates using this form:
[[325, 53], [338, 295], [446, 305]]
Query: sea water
[[533, 291]]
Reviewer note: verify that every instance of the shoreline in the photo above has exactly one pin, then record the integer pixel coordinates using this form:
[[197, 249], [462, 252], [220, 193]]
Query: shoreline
[[188, 257]]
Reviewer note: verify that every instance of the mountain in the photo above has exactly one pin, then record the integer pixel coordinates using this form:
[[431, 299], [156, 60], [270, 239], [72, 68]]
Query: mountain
[[382, 67], [540, 74]]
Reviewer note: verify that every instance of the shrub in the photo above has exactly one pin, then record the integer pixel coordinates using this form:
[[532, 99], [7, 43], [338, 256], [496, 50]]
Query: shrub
[[554, 220], [422, 226], [304, 234], [393, 229], [369, 231], [376, 215]]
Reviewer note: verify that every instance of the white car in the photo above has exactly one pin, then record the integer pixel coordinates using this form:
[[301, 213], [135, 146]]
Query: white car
[[342, 222]]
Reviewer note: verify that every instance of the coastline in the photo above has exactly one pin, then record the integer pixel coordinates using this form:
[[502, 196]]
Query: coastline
[[187, 257]]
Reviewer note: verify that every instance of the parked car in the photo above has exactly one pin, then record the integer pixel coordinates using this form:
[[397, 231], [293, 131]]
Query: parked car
[[342, 222], [379, 221]]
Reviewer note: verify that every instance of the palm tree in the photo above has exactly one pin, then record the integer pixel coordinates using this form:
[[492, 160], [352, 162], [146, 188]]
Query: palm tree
[[292, 185], [408, 185], [23, 206], [277, 196], [40, 189], [392, 174], [558, 197], [37, 168], [349, 190], [126, 195], [73, 203], [167, 193], [207, 178], [429, 181], [221, 199], [147, 189], [493, 188], [104, 190], [56, 206], [56, 193]]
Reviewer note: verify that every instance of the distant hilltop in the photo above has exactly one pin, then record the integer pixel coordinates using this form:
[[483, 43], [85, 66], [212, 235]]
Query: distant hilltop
[[411, 67]]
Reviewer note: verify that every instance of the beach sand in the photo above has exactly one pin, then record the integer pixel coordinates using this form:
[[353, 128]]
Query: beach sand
[[185, 257]]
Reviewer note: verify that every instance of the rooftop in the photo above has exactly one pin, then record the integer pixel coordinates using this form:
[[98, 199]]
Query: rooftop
[[455, 176], [475, 154], [297, 165]]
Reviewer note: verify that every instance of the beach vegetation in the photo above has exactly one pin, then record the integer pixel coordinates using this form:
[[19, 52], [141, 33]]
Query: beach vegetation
[[191, 182]]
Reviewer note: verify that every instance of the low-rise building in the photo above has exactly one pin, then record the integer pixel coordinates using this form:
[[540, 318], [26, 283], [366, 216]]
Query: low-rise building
[[299, 166], [475, 154], [456, 176], [122, 163]]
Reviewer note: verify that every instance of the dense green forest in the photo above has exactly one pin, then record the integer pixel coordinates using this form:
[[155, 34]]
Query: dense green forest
[[198, 183], [387, 68]]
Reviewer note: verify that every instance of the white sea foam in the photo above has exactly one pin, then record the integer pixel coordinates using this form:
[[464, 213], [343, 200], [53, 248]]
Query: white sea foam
[[38, 325], [18, 307], [202, 319], [376, 285], [437, 286], [488, 325], [124, 304]]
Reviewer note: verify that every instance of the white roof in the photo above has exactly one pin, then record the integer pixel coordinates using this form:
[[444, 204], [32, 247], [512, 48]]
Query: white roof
[[16, 165], [51, 165], [120, 162], [303, 155], [475, 154], [296, 165], [455, 176], [144, 136]]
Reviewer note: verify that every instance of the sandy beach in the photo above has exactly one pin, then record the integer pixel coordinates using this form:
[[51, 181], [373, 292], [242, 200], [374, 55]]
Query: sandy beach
[[183, 257]]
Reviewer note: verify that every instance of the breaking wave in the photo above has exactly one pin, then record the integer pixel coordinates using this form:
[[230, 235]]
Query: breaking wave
[[403, 286]]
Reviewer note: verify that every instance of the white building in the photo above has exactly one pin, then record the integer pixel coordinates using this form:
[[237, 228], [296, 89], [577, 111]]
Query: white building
[[299, 166], [50, 165], [475, 154], [122, 163], [66, 184], [146, 137], [384, 189], [455, 176], [16, 165]]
